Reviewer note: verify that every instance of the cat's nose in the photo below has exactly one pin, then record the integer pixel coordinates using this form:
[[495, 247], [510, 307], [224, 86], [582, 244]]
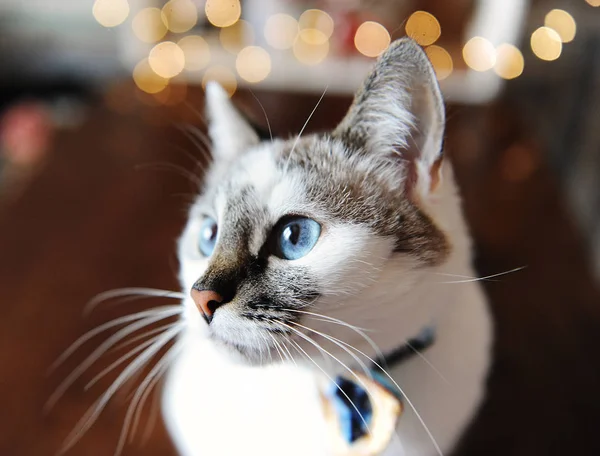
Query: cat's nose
[[207, 302]]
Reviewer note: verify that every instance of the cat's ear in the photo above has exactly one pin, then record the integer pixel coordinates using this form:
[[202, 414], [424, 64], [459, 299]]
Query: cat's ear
[[399, 112], [229, 131]]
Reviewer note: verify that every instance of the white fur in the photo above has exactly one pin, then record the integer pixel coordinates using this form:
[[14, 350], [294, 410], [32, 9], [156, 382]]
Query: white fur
[[216, 406]]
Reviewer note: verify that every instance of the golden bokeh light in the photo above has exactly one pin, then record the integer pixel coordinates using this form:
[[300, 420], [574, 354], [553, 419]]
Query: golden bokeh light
[[423, 27], [147, 80], [371, 39], [196, 51], [167, 59], [253, 64], [180, 15], [236, 36], [223, 76], [110, 13], [593, 2], [281, 31], [441, 61], [310, 53], [563, 23], [148, 25], [479, 54], [509, 61], [222, 13], [316, 26], [546, 43], [313, 36]]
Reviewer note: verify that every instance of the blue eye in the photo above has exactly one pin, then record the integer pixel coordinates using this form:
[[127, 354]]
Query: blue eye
[[208, 236], [295, 237]]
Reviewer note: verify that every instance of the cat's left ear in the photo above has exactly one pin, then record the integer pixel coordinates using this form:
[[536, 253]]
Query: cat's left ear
[[399, 113], [229, 131]]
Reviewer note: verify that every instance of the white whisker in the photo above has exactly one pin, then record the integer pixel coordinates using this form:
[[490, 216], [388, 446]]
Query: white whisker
[[422, 356], [477, 279], [128, 355], [137, 292], [308, 339], [193, 178], [356, 329], [284, 340], [265, 114], [277, 347], [302, 129], [94, 411], [335, 341], [98, 352], [149, 333], [112, 366], [144, 389]]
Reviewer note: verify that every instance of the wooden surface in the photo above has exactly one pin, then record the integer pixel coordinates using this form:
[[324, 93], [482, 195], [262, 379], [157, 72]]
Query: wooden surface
[[92, 220]]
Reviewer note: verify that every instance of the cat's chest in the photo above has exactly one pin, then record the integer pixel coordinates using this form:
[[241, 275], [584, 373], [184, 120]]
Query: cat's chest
[[213, 407]]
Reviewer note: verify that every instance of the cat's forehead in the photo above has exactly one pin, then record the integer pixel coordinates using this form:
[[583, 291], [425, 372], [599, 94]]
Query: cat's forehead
[[274, 175]]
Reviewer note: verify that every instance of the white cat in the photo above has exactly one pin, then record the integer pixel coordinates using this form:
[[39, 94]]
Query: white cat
[[295, 243]]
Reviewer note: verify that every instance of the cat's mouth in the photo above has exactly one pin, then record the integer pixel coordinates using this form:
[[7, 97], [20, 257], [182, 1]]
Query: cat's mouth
[[259, 332], [255, 342]]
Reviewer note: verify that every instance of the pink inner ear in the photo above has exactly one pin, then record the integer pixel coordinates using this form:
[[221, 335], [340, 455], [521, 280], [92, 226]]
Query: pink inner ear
[[435, 174]]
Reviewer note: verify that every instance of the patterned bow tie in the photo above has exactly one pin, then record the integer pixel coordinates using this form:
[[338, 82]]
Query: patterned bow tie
[[362, 410], [361, 413]]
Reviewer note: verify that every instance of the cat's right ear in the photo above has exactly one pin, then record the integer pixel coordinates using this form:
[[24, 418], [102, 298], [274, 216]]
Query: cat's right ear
[[229, 131], [398, 115]]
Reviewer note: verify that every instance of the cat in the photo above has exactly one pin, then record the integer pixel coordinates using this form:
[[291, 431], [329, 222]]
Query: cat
[[309, 239]]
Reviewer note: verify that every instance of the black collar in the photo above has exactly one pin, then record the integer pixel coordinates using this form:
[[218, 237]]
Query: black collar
[[407, 350]]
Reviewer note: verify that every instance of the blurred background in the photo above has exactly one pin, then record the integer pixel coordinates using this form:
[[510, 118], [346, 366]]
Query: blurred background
[[96, 161]]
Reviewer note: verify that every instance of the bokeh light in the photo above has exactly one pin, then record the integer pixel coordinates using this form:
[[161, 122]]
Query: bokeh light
[[310, 53], [236, 36], [479, 54], [563, 23], [222, 13], [593, 2], [196, 52], [147, 80], [371, 39], [441, 61], [546, 43], [253, 64], [148, 25], [110, 13], [509, 61], [316, 26], [281, 31], [167, 59], [180, 15], [223, 76], [423, 27]]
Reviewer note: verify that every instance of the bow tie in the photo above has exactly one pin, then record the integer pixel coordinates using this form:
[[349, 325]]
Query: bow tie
[[362, 409]]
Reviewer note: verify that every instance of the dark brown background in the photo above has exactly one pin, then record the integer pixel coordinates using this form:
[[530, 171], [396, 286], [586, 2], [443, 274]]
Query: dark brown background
[[92, 219]]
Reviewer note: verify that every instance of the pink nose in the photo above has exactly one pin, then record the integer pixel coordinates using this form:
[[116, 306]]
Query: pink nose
[[207, 302]]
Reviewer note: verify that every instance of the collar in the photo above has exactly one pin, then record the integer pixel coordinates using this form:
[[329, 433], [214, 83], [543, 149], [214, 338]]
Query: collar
[[362, 410]]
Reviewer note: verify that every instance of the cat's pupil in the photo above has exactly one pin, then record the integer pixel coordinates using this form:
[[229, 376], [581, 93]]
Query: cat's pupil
[[292, 233]]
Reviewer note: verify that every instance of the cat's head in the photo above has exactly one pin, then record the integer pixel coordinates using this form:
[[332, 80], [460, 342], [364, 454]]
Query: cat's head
[[292, 234]]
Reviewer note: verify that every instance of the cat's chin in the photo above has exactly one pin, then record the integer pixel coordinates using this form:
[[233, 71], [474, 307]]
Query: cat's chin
[[240, 354]]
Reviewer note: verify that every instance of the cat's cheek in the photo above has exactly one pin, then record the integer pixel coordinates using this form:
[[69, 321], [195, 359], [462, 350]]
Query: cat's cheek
[[346, 258]]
